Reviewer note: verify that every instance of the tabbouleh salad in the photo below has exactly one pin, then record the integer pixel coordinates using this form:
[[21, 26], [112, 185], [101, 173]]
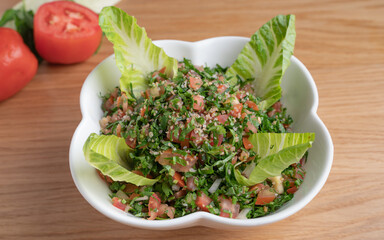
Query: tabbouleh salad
[[183, 138]]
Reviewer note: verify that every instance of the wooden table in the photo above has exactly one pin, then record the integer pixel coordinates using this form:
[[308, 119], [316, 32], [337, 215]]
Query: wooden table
[[340, 42]]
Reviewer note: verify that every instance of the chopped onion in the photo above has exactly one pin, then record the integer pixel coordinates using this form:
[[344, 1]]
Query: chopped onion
[[192, 170], [243, 213], [141, 198], [215, 185], [122, 195]]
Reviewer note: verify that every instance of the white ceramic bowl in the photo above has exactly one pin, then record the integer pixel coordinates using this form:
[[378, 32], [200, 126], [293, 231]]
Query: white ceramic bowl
[[299, 96]]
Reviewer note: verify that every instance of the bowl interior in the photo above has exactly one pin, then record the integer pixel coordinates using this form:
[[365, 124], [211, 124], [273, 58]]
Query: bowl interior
[[299, 96]]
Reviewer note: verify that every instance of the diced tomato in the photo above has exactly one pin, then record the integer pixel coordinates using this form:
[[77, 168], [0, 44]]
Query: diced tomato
[[165, 210], [153, 206], [118, 130], [130, 188], [221, 88], [142, 111], [154, 202], [240, 95], [222, 118], [180, 193], [227, 208], [250, 127], [265, 196], [203, 201], [252, 105], [236, 111], [133, 195], [302, 161], [185, 142], [108, 105], [164, 159], [196, 138], [219, 140], [131, 142], [195, 82], [177, 177], [292, 190], [198, 103], [299, 174], [247, 144], [162, 70], [103, 177], [156, 74], [171, 212], [290, 181], [258, 187], [277, 106], [138, 172], [117, 203], [286, 126]]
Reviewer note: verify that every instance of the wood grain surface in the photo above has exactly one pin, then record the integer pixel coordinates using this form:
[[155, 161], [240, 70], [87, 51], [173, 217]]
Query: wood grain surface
[[340, 42]]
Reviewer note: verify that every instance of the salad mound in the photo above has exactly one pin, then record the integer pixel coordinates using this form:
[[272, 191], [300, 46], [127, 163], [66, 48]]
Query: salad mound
[[177, 138]]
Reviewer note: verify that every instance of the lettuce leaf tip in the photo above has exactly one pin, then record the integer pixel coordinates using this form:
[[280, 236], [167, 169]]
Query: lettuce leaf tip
[[109, 154], [136, 55], [277, 151], [265, 58]]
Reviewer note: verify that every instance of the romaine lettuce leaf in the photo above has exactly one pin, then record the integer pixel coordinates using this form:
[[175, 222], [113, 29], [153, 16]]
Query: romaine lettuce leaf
[[277, 151], [266, 57], [136, 55], [109, 154]]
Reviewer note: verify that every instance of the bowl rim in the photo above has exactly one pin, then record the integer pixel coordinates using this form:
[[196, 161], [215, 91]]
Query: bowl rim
[[204, 217]]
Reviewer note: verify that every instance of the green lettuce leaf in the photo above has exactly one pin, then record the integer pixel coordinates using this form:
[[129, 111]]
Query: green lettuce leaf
[[109, 154], [277, 151], [136, 55], [266, 57]]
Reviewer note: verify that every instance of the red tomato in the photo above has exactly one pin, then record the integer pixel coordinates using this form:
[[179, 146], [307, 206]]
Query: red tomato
[[198, 103], [258, 187], [131, 142], [222, 118], [250, 127], [117, 203], [177, 176], [153, 206], [227, 208], [221, 88], [236, 111], [164, 159], [265, 196], [203, 201], [18, 65], [66, 32], [196, 137], [240, 95], [195, 83], [219, 140], [292, 190], [154, 202], [247, 144], [103, 177], [252, 105], [142, 111]]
